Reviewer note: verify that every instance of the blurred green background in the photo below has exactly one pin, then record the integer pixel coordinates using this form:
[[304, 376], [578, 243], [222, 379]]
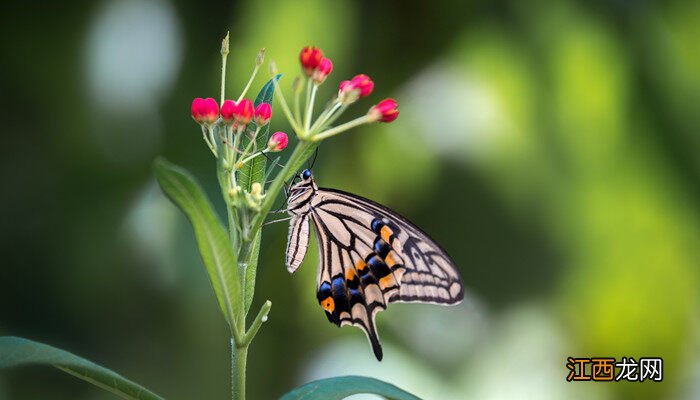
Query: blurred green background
[[550, 147]]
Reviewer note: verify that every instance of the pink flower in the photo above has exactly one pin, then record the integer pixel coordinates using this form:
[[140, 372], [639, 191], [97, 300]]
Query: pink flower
[[359, 86], [310, 58], [263, 113], [386, 111], [228, 109], [322, 71], [205, 111], [278, 141], [244, 111]]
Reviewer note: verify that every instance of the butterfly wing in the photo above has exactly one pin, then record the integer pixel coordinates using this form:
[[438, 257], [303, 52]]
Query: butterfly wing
[[370, 257], [297, 241]]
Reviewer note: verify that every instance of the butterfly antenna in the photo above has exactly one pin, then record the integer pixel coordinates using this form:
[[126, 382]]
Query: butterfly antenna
[[313, 162], [274, 162]]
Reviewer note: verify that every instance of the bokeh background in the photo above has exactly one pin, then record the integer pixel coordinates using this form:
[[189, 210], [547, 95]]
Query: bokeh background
[[551, 147]]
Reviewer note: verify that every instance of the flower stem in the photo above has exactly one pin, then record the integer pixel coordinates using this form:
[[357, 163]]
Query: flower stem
[[250, 82], [340, 128], [285, 108], [310, 105], [224, 56]]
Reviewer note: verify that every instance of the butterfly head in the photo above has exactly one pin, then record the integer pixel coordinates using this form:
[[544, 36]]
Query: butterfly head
[[305, 175], [301, 192]]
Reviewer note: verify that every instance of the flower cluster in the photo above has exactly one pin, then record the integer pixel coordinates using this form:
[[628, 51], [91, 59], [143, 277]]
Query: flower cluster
[[316, 68], [232, 131], [236, 115]]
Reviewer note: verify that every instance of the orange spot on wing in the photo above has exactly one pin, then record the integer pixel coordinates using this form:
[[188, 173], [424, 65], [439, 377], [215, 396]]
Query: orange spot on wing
[[387, 281], [386, 233], [361, 265], [389, 260], [328, 304], [350, 275]]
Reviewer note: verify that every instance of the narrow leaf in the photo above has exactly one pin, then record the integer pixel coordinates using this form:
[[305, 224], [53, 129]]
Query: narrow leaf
[[15, 352], [212, 239], [254, 170], [345, 386]]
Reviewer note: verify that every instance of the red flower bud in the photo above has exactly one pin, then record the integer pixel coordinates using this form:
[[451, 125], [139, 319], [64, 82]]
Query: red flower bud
[[244, 111], [263, 113], [385, 111], [310, 58], [278, 141], [227, 111], [359, 86], [205, 111], [322, 71]]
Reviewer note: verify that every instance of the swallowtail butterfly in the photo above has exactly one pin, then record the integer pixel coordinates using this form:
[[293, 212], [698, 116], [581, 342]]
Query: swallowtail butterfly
[[369, 256]]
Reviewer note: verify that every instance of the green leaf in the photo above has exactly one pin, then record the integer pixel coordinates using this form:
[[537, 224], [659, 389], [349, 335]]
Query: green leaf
[[15, 352], [345, 386], [212, 239], [254, 170], [251, 271]]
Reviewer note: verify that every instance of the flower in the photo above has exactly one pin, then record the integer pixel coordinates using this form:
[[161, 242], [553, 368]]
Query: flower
[[278, 141], [263, 113], [386, 111], [228, 108], [244, 111], [359, 86], [322, 71], [310, 58], [205, 111]]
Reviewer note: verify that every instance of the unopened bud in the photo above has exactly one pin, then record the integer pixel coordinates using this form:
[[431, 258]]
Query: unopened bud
[[273, 68], [260, 58], [224, 45]]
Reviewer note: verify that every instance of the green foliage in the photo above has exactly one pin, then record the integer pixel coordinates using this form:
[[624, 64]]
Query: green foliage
[[16, 352], [214, 246], [345, 386]]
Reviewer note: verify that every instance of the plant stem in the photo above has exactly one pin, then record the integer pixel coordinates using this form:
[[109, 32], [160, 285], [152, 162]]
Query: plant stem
[[310, 108], [340, 128], [250, 82], [239, 357], [224, 55], [285, 108]]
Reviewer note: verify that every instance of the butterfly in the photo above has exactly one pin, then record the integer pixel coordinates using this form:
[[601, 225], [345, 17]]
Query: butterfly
[[369, 257]]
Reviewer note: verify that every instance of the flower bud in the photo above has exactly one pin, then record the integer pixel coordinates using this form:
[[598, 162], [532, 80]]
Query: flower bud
[[386, 111], [278, 141], [228, 109], [359, 86], [256, 189], [310, 57], [322, 71], [263, 113], [260, 57], [205, 111], [244, 111]]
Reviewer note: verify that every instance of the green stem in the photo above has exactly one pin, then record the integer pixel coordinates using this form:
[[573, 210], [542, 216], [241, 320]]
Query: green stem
[[341, 128], [250, 82], [310, 105], [285, 108], [257, 323], [239, 355]]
